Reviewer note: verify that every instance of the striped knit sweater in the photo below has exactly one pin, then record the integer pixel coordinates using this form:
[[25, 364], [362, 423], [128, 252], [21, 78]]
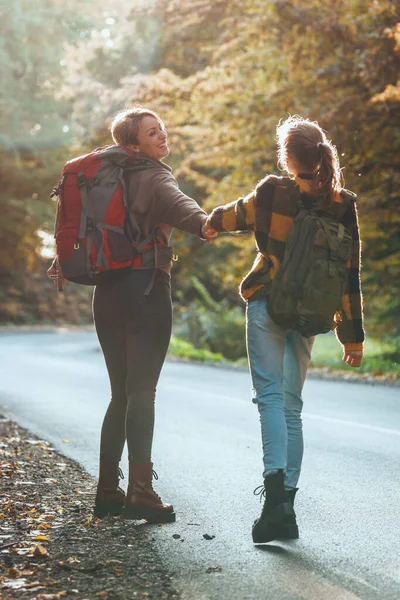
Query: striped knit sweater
[[269, 211]]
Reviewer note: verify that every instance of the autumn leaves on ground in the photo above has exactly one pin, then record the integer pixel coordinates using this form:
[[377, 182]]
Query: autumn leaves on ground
[[51, 547]]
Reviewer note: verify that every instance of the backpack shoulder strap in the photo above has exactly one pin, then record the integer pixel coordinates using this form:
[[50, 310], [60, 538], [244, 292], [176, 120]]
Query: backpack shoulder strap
[[294, 192], [338, 209], [121, 156], [348, 198]]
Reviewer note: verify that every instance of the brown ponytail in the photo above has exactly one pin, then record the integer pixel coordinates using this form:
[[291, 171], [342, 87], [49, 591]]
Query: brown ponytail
[[304, 149], [329, 176]]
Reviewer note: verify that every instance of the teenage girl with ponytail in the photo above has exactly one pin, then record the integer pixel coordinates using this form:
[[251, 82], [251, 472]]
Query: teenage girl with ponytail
[[279, 358]]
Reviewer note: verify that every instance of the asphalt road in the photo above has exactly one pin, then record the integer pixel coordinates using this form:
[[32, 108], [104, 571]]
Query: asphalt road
[[207, 453]]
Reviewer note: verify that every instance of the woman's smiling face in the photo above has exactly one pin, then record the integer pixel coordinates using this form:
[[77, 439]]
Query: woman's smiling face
[[152, 138]]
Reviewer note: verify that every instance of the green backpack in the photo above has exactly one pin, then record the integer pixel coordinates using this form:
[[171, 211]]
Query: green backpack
[[308, 287]]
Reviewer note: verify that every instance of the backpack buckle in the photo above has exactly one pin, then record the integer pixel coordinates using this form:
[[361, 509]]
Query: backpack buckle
[[55, 191]]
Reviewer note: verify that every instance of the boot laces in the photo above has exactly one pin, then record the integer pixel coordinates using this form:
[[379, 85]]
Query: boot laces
[[120, 473], [155, 477], [260, 491]]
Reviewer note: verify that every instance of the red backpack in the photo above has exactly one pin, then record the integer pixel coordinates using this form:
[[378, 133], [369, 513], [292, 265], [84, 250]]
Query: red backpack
[[92, 232]]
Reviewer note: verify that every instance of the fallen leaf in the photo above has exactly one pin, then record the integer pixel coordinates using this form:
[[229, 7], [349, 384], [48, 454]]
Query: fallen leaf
[[39, 551], [41, 583], [66, 441], [214, 570], [72, 559], [41, 538], [88, 520], [13, 573], [51, 596]]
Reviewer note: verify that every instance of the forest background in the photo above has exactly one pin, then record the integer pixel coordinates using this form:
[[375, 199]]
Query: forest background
[[221, 74]]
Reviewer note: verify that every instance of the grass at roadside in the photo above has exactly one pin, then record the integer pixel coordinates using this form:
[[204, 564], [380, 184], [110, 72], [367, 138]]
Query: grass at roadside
[[183, 349], [327, 354]]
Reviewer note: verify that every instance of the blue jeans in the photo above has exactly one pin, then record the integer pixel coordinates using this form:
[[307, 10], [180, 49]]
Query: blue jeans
[[278, 360]]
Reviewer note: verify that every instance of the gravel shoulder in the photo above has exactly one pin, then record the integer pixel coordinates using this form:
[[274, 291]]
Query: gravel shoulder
[[52, 547]]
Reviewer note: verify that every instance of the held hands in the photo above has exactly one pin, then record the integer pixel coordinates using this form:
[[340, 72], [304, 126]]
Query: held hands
[[55, 274], [353, 358], [207, 232]]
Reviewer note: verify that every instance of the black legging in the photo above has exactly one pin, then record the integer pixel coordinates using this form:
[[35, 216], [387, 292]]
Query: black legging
[[134, 333]]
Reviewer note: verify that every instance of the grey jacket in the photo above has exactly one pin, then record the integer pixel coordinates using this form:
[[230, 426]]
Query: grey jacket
[[156, 200]]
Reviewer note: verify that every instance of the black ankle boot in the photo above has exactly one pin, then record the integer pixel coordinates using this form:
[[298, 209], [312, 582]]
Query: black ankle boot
[[292, 493], [278, 519]]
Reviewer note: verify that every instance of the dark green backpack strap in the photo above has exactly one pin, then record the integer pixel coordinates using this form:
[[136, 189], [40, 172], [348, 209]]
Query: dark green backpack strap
[[348, 198], [294, 192]]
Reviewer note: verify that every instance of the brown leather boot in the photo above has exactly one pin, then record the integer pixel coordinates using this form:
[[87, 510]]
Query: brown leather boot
[[141, 501], [109, 497]]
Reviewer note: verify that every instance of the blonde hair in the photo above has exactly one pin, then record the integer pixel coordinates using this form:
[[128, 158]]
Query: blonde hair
[[304, 144], [125, 125]]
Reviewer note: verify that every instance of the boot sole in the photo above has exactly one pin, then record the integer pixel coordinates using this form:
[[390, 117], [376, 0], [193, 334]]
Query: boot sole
[[149, 514], [273, 531], [107, 510]]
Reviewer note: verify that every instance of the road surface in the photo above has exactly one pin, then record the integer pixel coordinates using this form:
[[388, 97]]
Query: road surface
[[207, 452]]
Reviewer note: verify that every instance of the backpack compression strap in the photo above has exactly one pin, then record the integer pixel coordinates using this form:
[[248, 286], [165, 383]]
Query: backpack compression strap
[[88, 219]]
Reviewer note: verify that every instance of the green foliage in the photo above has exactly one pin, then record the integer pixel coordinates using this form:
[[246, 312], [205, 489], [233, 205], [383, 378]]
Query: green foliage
[[35, 120], [184, 349], [32, 46], [221, 74], [335, 63], [378, 357], [212, 325]]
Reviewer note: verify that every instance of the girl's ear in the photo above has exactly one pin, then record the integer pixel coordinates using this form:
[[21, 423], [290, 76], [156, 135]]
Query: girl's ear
[[134, 147]]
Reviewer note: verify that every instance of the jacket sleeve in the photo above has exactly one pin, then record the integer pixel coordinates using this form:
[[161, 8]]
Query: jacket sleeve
[[235, 216], [350, 331], [176, 209]]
